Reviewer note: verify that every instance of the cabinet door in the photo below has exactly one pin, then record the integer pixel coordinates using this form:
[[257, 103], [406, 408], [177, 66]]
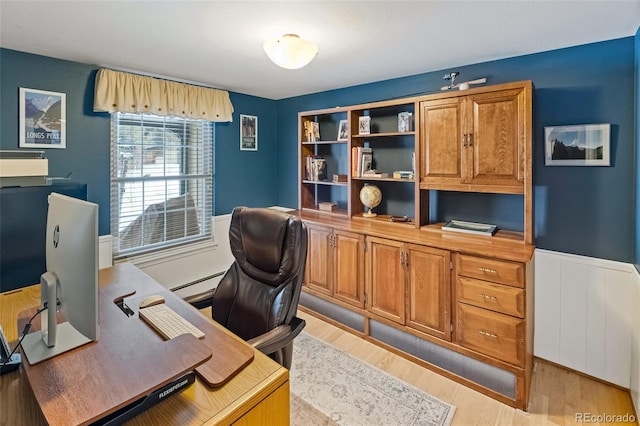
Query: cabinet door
[[441, 124], [497, 124], [348, 268], [386, 278], [429, 295], [319, 259]]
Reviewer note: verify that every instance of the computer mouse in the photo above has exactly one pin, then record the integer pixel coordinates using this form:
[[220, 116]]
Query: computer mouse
[[151, 300]]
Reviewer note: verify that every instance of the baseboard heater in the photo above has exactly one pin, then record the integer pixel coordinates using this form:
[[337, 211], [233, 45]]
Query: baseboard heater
[[202, 299], [500, 381]]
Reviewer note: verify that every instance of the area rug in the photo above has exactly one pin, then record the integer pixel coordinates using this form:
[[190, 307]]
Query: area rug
[[331, 387]]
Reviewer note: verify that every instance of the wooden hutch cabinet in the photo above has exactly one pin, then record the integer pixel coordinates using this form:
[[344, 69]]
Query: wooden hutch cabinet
[[475, 142], [459, 303]]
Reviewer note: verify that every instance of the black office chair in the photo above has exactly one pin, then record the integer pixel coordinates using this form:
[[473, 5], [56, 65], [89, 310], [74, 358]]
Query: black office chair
[[257, 299]]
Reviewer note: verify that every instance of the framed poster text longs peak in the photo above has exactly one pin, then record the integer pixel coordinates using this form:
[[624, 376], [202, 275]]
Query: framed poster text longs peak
[[42, 119]]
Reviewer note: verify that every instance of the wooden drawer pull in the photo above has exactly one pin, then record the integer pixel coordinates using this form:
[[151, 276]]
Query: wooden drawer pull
[[486, 333], [488, 271], [484, 296]]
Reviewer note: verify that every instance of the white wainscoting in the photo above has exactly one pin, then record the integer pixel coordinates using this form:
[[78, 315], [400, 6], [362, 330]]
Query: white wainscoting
[[586, 316], [197, 267], [105, 249]]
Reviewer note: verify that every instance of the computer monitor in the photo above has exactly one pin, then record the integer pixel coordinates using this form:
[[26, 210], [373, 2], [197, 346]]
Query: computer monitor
[[70, 282]]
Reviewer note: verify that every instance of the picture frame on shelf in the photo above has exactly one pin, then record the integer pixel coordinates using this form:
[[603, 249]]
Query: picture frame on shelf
[[367, 163], [364, 125], [577, 145], [42, 119], [314, 131], [248, 132], [404, 121], [343, 130]]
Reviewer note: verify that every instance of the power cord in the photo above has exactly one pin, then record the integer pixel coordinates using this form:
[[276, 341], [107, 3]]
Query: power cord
[[27, 327]]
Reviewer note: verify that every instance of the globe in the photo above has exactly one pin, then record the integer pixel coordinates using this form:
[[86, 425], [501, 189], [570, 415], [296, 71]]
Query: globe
[[370, 196]]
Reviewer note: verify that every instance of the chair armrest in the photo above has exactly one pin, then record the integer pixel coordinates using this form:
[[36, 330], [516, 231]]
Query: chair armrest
[[200, 300], [279, 337]]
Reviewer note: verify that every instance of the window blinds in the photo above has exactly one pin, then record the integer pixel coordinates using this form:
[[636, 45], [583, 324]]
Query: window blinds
[[161, 181]]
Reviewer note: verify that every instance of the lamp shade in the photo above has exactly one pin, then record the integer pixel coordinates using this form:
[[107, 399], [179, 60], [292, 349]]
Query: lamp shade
[[290, 51]]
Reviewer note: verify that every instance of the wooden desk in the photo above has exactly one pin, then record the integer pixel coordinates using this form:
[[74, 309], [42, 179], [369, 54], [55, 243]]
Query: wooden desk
[[258, 394]]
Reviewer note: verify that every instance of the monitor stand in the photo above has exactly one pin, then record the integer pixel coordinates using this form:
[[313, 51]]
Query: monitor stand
[[67, 338]]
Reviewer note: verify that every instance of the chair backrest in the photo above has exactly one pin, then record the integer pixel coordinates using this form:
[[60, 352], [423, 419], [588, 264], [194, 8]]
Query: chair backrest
[[260, 291]]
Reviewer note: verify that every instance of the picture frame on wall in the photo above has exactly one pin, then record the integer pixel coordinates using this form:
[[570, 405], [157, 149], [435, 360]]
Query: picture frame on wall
[[577, 145], [42, 119], [248, 132]]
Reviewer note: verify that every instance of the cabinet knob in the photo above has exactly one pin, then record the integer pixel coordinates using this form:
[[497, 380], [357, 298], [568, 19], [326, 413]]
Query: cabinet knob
[[485, 296], [488, 271], [487, 334]]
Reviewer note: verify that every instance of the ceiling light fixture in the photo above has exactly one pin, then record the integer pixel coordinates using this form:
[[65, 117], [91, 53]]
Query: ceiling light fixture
[[290, 51]]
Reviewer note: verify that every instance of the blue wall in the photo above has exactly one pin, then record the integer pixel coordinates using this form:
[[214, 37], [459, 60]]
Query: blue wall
[[637, 194], [242, 177], [581, 210]]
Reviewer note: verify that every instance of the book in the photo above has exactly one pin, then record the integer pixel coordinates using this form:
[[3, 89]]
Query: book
[[364, 125], [354, 161], [315, 168], [339, 178], [470, 227], [374, 174], [403, 174], [405, 121]]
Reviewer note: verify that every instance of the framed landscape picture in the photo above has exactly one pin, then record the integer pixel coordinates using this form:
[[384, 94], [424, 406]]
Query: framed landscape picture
[[577, 145], [42, 119]]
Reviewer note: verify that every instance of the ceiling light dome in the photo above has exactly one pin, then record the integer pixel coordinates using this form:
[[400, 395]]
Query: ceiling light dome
[[290, 51]]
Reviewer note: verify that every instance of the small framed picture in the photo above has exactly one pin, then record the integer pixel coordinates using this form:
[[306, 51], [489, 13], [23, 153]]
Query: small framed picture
[[248, 132], [315, 131], [577, 145], [404, 121], [343, 130], [42, 119], [364, 125]]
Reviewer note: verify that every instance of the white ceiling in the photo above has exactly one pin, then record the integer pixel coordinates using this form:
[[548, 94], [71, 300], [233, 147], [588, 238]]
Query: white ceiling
[[219, 43]]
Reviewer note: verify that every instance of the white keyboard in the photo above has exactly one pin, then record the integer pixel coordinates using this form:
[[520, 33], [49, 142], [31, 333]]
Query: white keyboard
[[167, 322]]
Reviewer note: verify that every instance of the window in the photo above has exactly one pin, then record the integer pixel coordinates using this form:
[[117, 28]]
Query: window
[[161, 182]]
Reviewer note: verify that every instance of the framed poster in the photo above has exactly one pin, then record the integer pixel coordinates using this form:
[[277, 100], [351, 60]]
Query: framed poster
[[42, 119], [248, 132], [577, 145]]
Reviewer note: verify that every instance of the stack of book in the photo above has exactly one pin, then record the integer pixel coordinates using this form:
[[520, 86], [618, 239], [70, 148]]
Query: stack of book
[[315, 168], [403, 174], [312, 131]]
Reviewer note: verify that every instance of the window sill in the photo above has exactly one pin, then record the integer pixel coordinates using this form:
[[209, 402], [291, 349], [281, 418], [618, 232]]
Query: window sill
[[160, 256]]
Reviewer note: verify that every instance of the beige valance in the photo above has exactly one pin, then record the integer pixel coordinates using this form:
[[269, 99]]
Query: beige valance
[[117, 91]]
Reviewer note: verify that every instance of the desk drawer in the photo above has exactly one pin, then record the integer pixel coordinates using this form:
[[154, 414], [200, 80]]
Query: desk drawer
[[496, 297], [499, 271], [497, 335]]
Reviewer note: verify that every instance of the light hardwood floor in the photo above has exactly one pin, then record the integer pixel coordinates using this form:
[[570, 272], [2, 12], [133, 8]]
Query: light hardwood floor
[[558, 396]]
